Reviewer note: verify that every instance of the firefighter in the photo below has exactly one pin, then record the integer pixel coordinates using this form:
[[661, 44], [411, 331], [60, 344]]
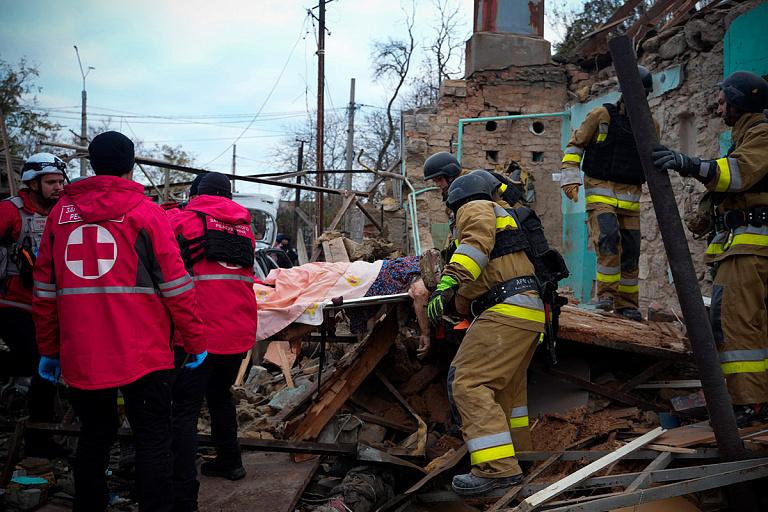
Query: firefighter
[[613, 185], [739, 250], [217, 246], [109, 285], [22, 219], [442, 168], [491, 278]]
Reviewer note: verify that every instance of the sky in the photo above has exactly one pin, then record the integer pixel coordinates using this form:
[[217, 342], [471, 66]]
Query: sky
[[196, 73]]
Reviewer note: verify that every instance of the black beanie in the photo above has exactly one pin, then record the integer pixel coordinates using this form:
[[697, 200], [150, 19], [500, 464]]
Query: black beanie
[[111, 153], [215, 184], [193, 189]]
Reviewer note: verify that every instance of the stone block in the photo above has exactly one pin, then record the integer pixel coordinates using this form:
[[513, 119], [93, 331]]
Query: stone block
[[492, 51], [673, 47]]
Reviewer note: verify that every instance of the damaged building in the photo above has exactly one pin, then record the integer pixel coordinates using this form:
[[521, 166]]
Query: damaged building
[[331, 421]]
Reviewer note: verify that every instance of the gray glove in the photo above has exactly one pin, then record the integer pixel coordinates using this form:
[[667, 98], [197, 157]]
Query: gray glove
[[665, 159]]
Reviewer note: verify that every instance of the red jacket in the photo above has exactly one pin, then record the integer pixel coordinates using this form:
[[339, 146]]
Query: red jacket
[[109, 280], [16, 294], [225, 296]]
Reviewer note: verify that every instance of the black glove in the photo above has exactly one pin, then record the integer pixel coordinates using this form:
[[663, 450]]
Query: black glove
[[665, 159]]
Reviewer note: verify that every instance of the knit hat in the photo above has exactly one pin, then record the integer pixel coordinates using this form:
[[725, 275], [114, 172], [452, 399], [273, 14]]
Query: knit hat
[[215, 184], [193, 189], [111, 153]]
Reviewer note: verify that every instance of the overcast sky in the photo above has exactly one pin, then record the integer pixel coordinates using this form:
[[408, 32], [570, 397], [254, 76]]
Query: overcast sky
[[195, 73]]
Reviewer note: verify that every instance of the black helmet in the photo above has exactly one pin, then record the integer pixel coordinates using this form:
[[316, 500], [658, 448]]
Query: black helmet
[[645, 77], [441, 164], [492, 180], [469, 187], [746, 91]]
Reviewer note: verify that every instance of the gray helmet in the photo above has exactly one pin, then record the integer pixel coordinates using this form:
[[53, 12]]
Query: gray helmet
[[469, 187], [441, 164], [646, 77], [492, 180], [746, 91]]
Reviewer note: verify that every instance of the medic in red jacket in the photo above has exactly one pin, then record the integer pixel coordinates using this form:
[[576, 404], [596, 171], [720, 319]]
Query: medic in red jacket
[[109, 260], [225, 289]]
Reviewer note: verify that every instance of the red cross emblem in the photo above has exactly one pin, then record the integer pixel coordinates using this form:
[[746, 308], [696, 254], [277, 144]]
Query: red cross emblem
[[91, 251]]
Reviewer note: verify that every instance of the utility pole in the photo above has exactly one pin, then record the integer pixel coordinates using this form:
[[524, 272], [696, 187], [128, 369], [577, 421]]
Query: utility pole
[[350, 146], [84, 124], [234, 156], [320, 118], [297, 201]]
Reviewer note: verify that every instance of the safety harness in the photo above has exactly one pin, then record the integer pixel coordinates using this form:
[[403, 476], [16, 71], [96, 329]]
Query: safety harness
[[18, 257], [549, 268], [228, 243]]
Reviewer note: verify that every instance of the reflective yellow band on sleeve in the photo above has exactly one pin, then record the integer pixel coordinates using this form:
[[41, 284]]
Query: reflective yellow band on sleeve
[[503, 188], [608, 278], [601, 137], [519, 312], [503, 222], [724, 176], [626, 205], [518, 422], [495, 453], [572, 158], [629, 288], [744, 367], [468, 263]]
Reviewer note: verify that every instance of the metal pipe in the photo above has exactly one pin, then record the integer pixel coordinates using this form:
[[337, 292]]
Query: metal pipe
[[366, 301], [686, 282], [462, 122]]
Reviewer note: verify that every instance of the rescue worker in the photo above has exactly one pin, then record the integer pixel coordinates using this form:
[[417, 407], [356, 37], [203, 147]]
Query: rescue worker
[[217, 246], [22, 220], [283, 241], [613, 185], [109, 285], [492, 278], [739, 250], [442, 168]]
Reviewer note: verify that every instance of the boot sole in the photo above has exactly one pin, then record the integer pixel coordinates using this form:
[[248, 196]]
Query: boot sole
[[474, 491], [235, 474]]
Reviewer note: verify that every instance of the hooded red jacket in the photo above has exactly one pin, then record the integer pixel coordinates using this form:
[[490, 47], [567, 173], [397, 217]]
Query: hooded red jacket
[[109, 280], [17, 295], [225, 296]]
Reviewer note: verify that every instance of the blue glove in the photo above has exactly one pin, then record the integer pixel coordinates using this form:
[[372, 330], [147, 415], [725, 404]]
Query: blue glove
[[49, 369], [440, 298], [196, 360]]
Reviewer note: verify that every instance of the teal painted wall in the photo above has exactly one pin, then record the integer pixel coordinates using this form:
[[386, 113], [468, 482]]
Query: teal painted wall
[[745, 46]]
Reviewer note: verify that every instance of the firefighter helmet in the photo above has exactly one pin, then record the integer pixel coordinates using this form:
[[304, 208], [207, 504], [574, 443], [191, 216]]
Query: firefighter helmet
[[645, 77], [441, 164], [746, 91], [469, 187]]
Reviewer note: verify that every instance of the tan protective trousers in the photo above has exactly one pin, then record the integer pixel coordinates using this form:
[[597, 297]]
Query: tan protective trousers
[[616, 238], [739, 319], [489, 381]]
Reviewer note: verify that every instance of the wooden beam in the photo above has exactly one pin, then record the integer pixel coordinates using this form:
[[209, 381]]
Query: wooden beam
[[594, 39], [562, 485], [649, 19], [12, 455], [370, 217], [344, 207], [644, 376], [344, 382]]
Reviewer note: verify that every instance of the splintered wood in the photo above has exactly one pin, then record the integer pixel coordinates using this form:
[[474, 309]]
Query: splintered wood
[[614, 331]]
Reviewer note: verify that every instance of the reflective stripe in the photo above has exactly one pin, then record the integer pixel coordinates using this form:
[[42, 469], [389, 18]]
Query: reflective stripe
[[474, 253], [87, 290], [730, 356], [608, 278], [44, 286], [503, 222], [573, 150], [16, 304], [608, 270], [629, 289], [607, 196], [744, 235], [521, 306], [491, 441], [503, 188], [518, 418], [468, 263], [572, 158], [500, 452], [222, 277], [175, 282], [43, 294], [500, 212], [179, 290], [728, 175], [601, 137], [629, 282]]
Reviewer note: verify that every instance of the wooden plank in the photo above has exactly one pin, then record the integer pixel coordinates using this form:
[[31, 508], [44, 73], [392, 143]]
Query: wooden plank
[[336, 251], [347, 379], [420, 436], [369, 216], [645, 375], [541, 497], [12, 455], [243, 366], [344, 207], [280, 354], [378, 420], [644, 479]]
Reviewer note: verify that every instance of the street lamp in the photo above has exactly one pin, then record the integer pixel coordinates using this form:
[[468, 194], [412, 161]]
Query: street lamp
[[83, 126]]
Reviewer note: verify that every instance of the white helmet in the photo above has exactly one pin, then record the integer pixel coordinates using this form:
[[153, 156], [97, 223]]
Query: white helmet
[[42, 163]]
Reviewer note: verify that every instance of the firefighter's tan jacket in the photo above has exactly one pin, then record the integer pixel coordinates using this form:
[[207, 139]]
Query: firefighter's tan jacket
[[477, 223], [736, 173], [594, 129]]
